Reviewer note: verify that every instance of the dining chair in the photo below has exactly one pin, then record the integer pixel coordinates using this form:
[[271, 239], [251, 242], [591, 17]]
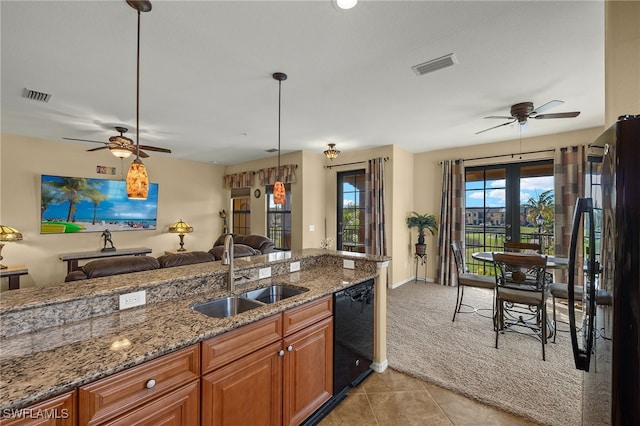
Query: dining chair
[[518, 247], [467, 279], [521, 295]]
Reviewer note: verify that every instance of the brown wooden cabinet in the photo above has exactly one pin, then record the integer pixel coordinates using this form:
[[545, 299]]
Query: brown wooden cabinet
[[170, 383], [276, 371], [56, 411]]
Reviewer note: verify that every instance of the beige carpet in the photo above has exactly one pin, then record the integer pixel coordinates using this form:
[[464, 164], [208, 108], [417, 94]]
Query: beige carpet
[[423, 342]]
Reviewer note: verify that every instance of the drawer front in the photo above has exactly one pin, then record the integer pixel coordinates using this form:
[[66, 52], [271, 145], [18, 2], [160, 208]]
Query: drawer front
[[228, 347], [303, 316], [104, 399], [57, 411]]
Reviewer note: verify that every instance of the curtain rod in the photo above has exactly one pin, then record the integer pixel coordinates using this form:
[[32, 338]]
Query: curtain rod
[[506, 155], [349, 164]]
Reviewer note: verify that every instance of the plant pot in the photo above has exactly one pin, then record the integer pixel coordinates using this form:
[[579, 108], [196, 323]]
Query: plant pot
[[421, 249]]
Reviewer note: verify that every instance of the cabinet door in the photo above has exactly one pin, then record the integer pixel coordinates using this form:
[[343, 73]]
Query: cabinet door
[[177, 408], [308, 372], [57, 411], [247, 391]]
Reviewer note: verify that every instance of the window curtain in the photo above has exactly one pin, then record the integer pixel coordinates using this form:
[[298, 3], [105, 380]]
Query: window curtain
[[269, 176], [238, 180], [569, 167], [451, 226], [375, 241]]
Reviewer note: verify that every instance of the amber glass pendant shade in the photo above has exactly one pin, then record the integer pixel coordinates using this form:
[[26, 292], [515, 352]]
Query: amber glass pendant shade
[[278, 193], [137, 181]]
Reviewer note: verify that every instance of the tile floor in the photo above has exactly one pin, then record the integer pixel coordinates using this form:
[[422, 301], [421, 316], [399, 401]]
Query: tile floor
[[392, 398]]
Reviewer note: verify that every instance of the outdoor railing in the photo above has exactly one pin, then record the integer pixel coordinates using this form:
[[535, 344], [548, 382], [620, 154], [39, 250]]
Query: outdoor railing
[[491, 238]]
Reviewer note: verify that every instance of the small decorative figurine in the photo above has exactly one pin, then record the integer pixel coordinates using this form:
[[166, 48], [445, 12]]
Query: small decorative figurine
[[107, 239], [223, 215]]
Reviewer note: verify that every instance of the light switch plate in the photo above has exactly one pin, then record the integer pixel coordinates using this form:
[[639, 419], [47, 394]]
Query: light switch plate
[[264, 273], [294, 266], [349, 264], [131, 300]]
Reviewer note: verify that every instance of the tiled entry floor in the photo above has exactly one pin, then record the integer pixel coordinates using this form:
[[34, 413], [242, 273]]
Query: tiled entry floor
[[393, 399]]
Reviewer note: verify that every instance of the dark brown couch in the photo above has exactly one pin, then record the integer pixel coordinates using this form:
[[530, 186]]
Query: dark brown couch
[[128, 264], [243, 245]]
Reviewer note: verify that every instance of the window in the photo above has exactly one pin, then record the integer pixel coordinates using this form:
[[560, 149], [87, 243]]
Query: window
[[507, 202], [279, 219], [351, 220], [242, 215]]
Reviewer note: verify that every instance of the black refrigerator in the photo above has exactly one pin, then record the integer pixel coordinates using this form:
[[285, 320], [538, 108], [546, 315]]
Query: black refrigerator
[[605, 318]]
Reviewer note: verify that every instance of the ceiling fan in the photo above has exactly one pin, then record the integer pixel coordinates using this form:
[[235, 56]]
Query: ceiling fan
[[522, 111], [121, 146]]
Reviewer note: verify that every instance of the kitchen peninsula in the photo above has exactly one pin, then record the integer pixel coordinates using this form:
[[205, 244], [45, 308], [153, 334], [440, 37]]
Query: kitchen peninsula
[[60, 337]]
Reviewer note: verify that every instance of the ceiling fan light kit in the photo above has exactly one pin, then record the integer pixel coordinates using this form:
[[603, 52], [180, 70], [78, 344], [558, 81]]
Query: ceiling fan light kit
[[523, 111], [137, 178]]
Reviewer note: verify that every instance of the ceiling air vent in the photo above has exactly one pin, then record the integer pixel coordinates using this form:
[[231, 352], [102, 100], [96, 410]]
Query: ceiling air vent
[[36, 96], [435, 64]]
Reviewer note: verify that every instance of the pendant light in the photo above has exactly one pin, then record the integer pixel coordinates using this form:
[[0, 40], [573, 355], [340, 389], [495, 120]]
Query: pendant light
[[137, 178], [279, 194]]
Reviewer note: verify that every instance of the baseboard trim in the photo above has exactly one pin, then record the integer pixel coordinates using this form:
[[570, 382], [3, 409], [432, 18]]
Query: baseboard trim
[[408, 280], [379, 367]]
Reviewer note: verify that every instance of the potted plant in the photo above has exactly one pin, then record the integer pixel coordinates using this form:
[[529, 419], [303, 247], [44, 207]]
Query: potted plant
[[422, 222]]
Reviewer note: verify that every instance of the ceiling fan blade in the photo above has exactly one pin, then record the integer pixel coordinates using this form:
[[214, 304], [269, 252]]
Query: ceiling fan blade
[[97, 149], [155, 148], [559, 115], [495, 127], [142, 154], [546, 106], [502, 117], [83, 140]]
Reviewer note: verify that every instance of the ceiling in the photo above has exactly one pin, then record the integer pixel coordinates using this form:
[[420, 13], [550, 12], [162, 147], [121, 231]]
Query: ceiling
[[207, 91]]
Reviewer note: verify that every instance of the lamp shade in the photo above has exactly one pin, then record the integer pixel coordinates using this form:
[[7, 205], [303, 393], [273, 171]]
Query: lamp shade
[[137, 181], [331, 153], [278, 193], [8, 233], [120, 152], [180, 228]]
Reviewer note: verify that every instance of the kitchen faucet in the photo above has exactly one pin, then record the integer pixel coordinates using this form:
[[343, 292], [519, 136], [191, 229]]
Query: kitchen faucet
[[227, 259]]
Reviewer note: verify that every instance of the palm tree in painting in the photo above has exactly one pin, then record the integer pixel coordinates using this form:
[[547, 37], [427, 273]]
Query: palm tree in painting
[[47, 197], [96, 197], [72, 190]]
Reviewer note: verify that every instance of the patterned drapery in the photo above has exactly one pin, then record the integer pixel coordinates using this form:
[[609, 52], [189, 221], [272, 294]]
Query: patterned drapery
[[269, 176], [375, 240], [451, 226], [569, 167], [238, 180]]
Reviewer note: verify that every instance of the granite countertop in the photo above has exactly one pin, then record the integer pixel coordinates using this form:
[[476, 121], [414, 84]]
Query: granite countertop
[[43, 363]]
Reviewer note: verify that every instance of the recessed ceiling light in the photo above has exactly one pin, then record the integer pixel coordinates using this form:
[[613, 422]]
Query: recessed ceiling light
[[346, 4]]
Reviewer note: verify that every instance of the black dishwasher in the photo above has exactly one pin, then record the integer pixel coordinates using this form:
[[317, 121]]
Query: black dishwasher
[[353, 336]]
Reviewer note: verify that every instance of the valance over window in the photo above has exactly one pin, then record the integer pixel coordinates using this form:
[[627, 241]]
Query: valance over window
[[238, 180], [287, 174]]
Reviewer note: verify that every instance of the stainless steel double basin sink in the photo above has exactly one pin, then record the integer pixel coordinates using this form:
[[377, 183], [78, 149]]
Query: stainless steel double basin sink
[[234, 305]]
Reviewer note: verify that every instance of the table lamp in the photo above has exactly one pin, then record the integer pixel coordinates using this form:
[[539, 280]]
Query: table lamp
[[181, 228], [8, 233]]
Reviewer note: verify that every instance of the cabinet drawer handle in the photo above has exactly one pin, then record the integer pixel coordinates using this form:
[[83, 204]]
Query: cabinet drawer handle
[[281, 352], [289, 348], [150, 383]]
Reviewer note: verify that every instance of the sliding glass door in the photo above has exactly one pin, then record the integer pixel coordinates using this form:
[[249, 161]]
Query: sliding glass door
[[508, 202]]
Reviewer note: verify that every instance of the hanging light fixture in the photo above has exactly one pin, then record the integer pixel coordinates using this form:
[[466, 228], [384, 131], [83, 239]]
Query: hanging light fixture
[[279, 194], [331, 153], [137, 178]]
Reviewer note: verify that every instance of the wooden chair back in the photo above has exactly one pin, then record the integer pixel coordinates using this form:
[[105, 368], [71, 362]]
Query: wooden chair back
[[518, 247]]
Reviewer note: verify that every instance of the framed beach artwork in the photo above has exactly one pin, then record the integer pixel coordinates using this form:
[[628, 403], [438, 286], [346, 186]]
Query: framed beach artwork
[[72, 205]]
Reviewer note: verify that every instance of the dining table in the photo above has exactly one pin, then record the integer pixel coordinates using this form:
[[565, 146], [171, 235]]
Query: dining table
[[553, 262]]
